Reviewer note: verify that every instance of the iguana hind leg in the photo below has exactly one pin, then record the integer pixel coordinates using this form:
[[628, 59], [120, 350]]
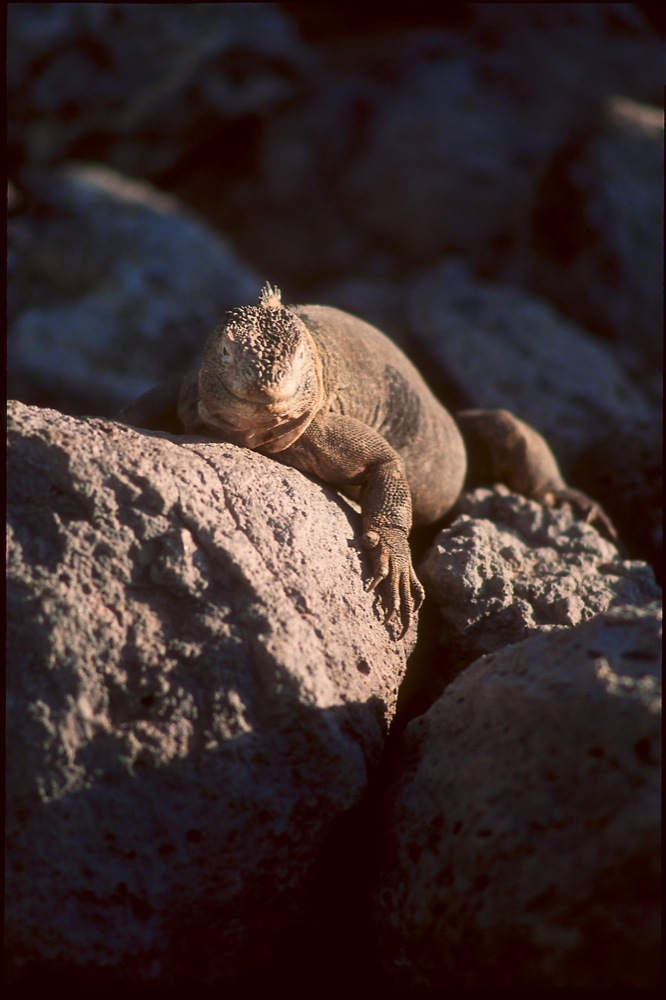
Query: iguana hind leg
[[503, 449]]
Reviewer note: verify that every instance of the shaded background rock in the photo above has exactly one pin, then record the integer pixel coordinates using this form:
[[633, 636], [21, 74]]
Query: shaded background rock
[[138, 85], [623, 469], [502, 347], [524, 826], [112, 288], [322, 140], [188, 710], [431, 139], [598, 252]]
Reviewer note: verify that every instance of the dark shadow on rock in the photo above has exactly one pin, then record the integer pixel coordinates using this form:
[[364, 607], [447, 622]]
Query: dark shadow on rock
[[245, 895]]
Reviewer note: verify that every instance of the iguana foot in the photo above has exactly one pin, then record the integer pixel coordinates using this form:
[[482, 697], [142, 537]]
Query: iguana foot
[[391, 558], [582, 506]]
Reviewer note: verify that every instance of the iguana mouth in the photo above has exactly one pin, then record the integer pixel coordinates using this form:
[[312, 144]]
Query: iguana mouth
[[272, 424], [278, 437], [271, 437]]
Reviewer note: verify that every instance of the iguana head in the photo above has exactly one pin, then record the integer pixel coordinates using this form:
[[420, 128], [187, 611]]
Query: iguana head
[[260, 381]]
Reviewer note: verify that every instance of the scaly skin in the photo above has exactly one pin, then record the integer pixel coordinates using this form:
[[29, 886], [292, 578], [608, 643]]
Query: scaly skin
[[326, 393]]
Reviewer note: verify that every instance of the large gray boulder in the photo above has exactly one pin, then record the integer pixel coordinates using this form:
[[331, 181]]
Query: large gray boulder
[[523, 827], [197, 686]]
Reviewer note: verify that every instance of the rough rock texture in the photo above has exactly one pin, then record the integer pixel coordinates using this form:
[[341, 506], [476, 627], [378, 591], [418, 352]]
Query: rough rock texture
[[139, 85], [502, 347], [508, 568], [197, 686], [524, 826], [599, 254], [112, 286]]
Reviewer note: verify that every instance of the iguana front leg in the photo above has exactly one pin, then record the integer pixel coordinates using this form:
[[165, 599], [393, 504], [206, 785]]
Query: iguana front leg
[[156, 409], [351, 456], [386, 516]]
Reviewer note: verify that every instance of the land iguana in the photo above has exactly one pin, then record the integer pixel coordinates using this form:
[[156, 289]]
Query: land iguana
[[323, 391]]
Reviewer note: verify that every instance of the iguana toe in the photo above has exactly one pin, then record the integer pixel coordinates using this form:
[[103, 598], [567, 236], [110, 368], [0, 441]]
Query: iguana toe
[[584, 507], [402, 593]]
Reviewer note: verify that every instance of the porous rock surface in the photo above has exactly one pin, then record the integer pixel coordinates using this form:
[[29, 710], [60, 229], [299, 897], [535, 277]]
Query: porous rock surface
[[523, 827], [197, 686], [508, 568]]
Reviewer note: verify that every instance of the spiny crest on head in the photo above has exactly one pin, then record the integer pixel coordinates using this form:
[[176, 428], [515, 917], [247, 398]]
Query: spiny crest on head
[[268, 330], [270, 297]]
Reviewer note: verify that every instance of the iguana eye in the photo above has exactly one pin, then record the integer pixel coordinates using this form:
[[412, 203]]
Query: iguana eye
[[225, 351]]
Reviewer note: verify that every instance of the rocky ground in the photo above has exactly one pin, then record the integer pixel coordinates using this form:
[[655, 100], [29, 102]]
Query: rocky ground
[[222, 770]]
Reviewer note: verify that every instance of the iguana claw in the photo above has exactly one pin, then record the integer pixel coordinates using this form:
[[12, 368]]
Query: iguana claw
[[583, 507], [402, 593]]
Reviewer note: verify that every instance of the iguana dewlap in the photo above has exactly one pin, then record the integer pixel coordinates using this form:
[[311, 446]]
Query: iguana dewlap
[[329, 394]]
